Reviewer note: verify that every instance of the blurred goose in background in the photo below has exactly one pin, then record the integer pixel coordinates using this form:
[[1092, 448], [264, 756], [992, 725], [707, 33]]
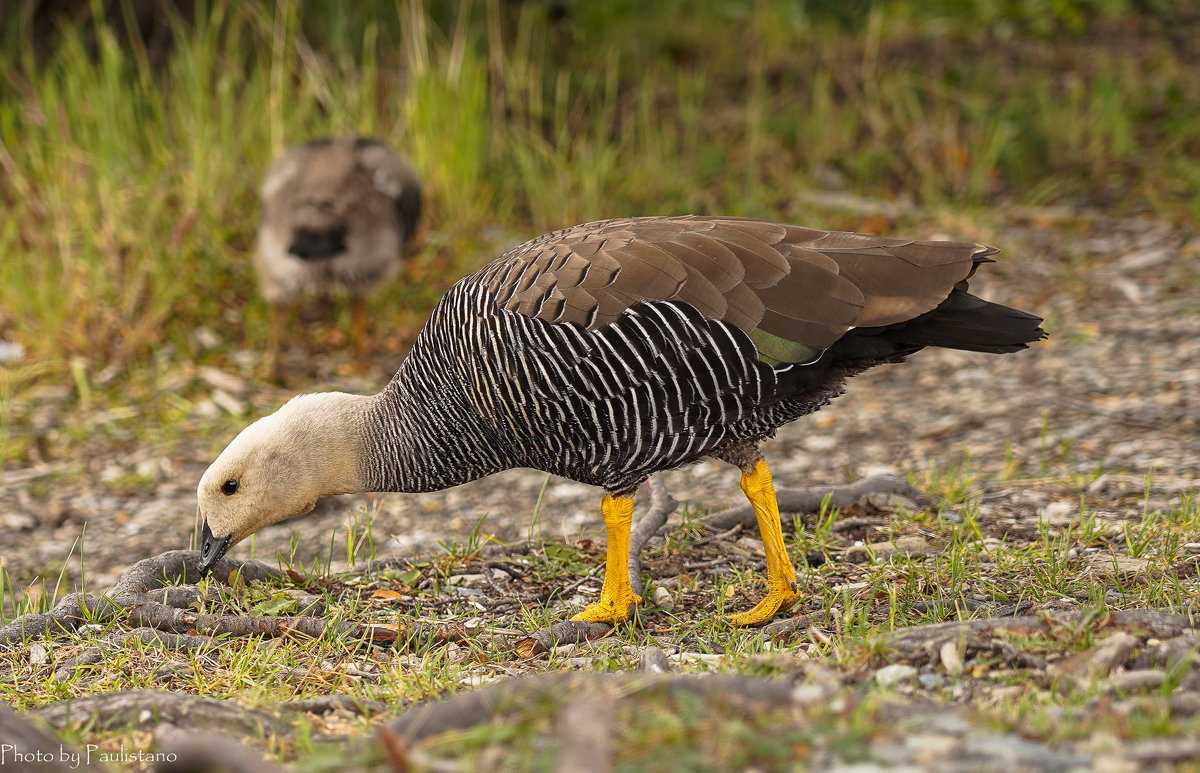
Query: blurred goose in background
[[338, 213]]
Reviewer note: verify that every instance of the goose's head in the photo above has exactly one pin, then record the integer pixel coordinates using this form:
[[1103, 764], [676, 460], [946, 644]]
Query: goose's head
[[277, 468]]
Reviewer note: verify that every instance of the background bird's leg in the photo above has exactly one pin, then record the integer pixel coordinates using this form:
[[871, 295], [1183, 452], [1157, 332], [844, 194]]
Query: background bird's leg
[[781, 576], [279, 315], [616, 596], [358, 326]]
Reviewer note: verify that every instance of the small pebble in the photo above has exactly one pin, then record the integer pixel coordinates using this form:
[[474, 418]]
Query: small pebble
[[663, 599], [894, 674], [1140, 679], [654, 661], [38, 653]]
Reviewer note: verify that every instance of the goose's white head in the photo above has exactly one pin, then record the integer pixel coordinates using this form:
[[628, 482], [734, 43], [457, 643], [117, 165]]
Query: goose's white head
[[278, 467]]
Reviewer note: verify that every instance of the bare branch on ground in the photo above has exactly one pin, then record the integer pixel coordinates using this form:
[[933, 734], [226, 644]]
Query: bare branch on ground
[[808, 500], [147, 708], [190, 751], [465, 710]]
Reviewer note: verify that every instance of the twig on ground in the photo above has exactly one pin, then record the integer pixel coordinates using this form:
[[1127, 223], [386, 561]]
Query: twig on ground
[[662, 504], [93, 655], [147, 708], [808, 500], [187, 751], [465, 710], [563, 632], [780, 628], [923, 642], [585, 729], [326, 704], [31, 740]]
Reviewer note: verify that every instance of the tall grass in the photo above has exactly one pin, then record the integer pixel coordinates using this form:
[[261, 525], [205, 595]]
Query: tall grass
[[129, 174]]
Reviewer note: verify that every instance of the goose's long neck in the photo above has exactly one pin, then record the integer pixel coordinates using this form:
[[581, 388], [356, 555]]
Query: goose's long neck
[[422, 435]]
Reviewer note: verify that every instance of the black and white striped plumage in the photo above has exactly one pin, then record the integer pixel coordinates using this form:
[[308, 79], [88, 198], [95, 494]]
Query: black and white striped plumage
[[608, 351], [658, 387]]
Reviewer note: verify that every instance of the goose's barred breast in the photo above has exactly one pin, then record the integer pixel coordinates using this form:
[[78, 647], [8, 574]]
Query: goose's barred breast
[[488, 389]]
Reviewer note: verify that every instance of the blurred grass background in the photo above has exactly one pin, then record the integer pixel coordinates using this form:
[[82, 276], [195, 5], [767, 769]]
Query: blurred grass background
[[133, 137]]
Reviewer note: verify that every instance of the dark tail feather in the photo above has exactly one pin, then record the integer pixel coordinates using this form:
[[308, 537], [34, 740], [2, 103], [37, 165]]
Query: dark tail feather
[[967, 322]]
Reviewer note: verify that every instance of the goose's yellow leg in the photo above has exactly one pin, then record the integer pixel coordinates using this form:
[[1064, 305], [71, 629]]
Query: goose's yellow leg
[[616, 596], [781, 577]]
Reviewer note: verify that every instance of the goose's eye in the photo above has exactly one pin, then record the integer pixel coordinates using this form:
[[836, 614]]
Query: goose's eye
[[229, 487]]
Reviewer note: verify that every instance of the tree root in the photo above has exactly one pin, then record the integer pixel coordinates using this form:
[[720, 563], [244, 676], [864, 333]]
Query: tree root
[[327, 704], [31, 739], [662, 504], [563, 632], [188, 752], [466, 710], [145, 709], [809, 500], [923, 643], [93, 655]]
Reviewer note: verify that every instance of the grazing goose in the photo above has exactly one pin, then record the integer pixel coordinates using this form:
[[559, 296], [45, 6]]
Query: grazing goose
[[609, 351], [337, 213]]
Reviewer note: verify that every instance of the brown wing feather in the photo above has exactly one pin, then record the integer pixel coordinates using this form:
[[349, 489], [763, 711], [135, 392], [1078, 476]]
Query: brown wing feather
[[780, 282]]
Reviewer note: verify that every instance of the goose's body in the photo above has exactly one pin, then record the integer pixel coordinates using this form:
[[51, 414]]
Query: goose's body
[[337, 214], [609, 351]]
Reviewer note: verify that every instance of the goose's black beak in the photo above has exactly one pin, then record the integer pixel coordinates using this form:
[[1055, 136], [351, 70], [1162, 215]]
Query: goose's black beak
[[211, 549]]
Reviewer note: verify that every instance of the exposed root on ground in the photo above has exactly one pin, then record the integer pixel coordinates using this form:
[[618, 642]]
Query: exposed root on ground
[[809, 500]]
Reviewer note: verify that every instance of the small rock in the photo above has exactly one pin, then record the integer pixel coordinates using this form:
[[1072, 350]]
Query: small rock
[[1184, 704], [466, 579], [891, 502], [1010, 752], [889, 676], [228, 402], [1147, 258], [1060, 513], [663, 598], [939, 427], [930, 681], [38, 653], [1164, 750], [811, 693], [223, 380], [1102, 565], [205, 339], [654, 661], [903, 546], [818, 443], [950, 658], [1099, 660], [11, 352], [1141, 679]]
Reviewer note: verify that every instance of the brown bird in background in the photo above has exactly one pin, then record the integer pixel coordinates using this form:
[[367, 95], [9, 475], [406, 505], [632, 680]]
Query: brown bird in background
[[337, 213]]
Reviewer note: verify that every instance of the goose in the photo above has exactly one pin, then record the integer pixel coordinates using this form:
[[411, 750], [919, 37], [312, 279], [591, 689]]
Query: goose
[[337, 213], [609, 351]]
